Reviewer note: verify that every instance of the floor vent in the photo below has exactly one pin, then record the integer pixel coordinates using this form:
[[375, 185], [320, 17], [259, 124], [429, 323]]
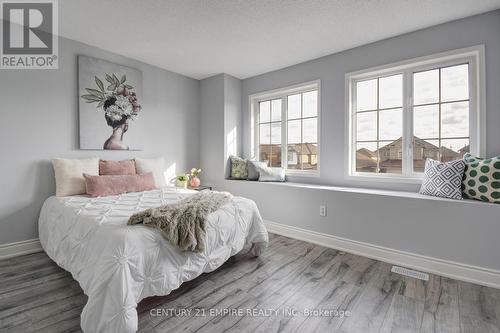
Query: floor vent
[[410, 273]]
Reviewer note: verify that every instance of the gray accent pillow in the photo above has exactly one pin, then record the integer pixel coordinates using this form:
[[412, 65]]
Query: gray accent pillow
[[254, 168], [272, 175], [238, 168], [443, 179]]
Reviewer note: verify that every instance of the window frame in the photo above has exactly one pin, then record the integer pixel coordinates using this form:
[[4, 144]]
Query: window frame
[[283, 93], [474, 56]]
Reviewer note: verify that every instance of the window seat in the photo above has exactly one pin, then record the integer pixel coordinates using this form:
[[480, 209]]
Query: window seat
[[381, 192]]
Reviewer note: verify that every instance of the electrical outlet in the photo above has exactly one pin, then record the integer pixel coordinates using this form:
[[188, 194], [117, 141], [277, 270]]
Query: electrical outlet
[[322, 210]]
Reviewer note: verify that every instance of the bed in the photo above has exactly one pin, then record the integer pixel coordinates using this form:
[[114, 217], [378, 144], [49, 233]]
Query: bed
[[119, 265]]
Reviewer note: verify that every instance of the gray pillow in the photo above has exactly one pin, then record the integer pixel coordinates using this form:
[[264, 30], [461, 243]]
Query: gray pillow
[[254, 168], [443, 179], [272, 175], [238, 168]]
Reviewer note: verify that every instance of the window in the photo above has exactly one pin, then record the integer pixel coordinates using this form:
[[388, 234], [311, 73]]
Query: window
[[402, 114], [286, 128]]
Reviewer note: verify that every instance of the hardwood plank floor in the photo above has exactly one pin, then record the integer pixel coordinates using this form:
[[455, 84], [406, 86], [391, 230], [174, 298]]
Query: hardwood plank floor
[[356, 294]]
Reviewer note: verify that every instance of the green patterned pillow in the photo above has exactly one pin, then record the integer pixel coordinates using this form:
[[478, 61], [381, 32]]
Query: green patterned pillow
[[238, 168], [482, 178]]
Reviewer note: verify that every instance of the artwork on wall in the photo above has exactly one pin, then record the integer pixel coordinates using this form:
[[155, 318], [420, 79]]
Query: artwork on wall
[[109, 105]]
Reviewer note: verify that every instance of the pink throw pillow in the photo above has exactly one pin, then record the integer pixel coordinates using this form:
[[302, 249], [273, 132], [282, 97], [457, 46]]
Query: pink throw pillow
[[101, 186], [126, 167]]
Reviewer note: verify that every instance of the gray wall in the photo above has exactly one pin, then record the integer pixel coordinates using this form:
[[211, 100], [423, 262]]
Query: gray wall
[[220, 126], [39, 121], [232, 119], [331, 70], [459, 231], [212, 129]]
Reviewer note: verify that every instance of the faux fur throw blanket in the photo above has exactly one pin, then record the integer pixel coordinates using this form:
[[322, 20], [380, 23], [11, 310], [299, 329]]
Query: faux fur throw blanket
[[183, 223]]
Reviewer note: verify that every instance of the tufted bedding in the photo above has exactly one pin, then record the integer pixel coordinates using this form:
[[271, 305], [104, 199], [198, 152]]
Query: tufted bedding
[[118, 265]]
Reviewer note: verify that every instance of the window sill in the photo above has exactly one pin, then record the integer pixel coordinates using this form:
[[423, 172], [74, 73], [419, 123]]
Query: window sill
[[388, 193], [366, 178], [300, 173]]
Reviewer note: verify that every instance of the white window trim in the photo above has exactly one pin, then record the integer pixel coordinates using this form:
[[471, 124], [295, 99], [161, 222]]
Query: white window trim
[[477, 94], [254, 99]]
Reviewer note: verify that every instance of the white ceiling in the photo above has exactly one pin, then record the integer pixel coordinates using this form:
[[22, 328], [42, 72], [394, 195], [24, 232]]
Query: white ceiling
[[244, 38]]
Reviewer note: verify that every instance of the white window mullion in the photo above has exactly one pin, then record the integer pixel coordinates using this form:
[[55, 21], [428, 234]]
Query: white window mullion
[[301, 130], [284, 132], [353, 126], [407, 124], [256, 137]]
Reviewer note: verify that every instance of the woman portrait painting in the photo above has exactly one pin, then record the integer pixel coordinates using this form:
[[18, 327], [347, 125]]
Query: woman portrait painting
[[115, 102]]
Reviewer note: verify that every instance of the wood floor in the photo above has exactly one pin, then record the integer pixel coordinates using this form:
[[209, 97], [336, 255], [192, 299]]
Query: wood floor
[[292, 276]]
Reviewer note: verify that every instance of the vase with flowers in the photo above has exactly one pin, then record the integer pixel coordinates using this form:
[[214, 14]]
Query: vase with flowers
[[194, 181]]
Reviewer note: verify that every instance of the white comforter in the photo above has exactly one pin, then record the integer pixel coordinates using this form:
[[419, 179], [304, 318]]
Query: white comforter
[[119, 265]]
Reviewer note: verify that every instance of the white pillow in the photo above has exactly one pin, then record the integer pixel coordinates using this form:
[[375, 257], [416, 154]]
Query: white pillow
[[268, 174], [154, 165], [69, 174]]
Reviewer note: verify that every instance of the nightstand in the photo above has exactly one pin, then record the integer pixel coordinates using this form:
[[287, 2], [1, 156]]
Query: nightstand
[[200, 188]]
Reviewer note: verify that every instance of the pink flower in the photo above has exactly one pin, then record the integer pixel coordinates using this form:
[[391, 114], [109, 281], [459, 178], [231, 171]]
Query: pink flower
[[119, 91]]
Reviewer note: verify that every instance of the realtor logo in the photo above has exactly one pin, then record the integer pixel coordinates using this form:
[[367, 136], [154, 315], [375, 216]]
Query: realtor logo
[[29, 34]]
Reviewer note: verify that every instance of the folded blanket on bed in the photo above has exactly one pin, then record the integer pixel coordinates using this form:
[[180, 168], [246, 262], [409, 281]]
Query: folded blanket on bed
[[183, 223]]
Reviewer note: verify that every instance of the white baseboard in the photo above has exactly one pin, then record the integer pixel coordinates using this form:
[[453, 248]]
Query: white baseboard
[[479, 275], [20, 248]]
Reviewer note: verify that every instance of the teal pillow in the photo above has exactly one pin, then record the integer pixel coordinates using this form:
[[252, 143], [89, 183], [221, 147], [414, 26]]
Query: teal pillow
[[481, 179], [238, 168]]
